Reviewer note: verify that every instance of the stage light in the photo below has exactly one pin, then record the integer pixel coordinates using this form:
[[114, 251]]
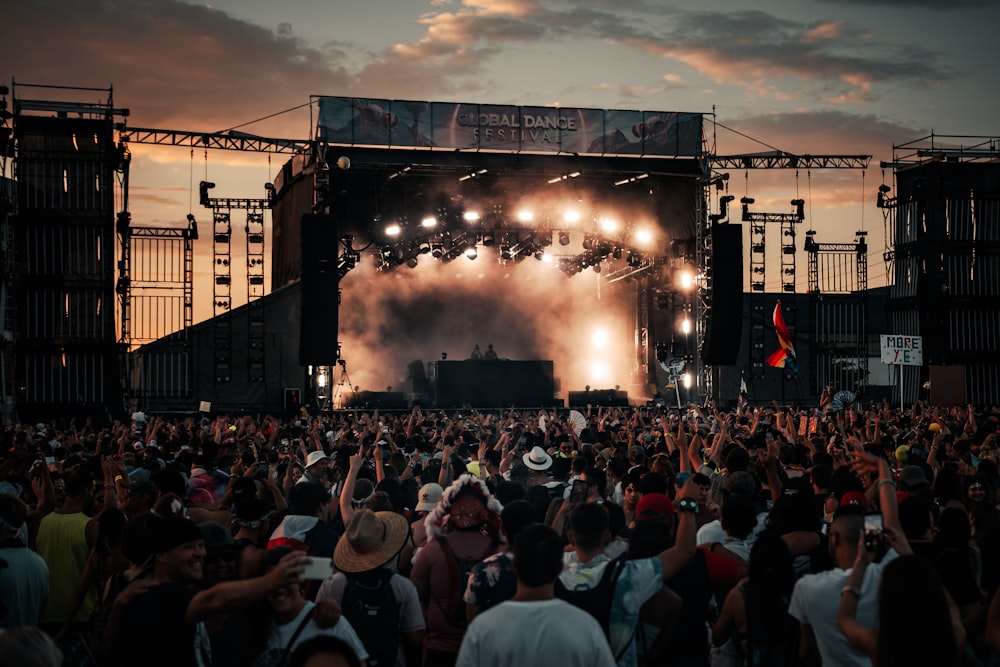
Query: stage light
[[686, 326], [563, 238], [597, 268], [471, 252], [571, 216], [424, 247], [539, 255], [471, 216], [598, 372], [412, 262], [687, 280], [547, 258], [437, 250], [599, 339], [617, 253], [525, 215], [634, 260], [687, 380], [643, 236], [488, 239], [393, 229], [609, 225], [429, 221]]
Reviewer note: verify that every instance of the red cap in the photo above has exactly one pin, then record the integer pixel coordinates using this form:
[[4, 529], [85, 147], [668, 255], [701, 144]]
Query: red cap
[[854, 498], [654, 506]]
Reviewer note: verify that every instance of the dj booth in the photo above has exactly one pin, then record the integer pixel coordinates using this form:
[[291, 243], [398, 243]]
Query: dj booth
[[492, 383]]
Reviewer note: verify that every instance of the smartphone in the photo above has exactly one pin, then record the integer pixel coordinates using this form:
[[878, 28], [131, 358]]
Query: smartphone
[[578, 493], [318, 568], [874, 531]]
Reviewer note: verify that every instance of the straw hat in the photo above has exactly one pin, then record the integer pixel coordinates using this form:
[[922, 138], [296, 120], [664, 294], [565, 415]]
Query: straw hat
[[370, 541]]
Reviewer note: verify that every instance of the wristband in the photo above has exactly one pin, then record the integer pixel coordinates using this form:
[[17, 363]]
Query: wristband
[[852, 590], [878, 487], [687, 505], [118, 478]]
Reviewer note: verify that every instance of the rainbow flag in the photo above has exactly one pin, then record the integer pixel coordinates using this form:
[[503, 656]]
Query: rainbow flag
[[784, 357]]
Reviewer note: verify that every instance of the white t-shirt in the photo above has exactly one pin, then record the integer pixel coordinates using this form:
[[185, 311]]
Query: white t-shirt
[[816, 602], [544, 632], [279, 636]]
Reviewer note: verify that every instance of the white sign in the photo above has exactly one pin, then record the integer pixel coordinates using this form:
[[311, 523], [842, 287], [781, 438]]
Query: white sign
[[902, 350]]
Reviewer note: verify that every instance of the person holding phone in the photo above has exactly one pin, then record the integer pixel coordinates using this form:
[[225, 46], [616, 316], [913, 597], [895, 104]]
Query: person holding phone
[[292, 619], [831, 606]]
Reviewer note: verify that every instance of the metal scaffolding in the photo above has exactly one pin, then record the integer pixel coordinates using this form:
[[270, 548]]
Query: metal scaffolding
[[759, 320], [838, 310]]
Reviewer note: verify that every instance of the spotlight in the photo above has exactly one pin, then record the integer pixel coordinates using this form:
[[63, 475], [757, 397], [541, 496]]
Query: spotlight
[[470, 216], [687, 280], [571, 216], [437, 250], [643, 236], [412, 262], [524, 215], [424, 247], [393, 229], [617, 253], [563, 238], [634, 260], [471, 252], [609, 225], [685, 326], [539, 255], [488, 239], [429, 221], [597, 268]]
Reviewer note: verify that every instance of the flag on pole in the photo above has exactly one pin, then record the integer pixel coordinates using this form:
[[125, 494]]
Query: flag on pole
[[742, 402], [784, 357]]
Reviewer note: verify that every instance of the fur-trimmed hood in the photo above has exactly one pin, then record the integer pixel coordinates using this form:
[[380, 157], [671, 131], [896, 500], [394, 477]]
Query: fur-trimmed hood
[[437, 519]]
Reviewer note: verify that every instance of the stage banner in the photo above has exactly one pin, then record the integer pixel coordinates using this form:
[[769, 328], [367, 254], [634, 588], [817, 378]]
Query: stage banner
[[508, 128]]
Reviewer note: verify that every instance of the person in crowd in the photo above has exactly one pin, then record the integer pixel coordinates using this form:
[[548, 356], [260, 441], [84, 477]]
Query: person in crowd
[[754, 626], [638, 581], [462, 530], [292, 621], [382, 606], [535, 627], [24, 576], [493, 580], [816, 598], [306, 525], [911, 603], [27, 646], [65, 539]]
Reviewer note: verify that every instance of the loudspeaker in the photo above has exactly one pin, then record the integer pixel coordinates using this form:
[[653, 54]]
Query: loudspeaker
[[320, 291], [725, 322]]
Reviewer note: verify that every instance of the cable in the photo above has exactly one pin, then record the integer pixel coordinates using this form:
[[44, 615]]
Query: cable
[[747, 136], [276, 113]]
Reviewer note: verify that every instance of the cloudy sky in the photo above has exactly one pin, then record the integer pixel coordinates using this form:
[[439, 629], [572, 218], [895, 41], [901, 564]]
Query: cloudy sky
[[806, 76]]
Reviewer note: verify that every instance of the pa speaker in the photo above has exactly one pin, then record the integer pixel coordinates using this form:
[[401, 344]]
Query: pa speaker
[[724, 328], [320, 291]]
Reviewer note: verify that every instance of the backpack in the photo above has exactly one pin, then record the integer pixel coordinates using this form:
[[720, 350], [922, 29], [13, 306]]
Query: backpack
[[596, 601], [370, 604], [459, 570]]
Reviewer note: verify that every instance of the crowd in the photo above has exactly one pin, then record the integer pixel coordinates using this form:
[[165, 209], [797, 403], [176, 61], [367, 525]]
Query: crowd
[[767, 535]]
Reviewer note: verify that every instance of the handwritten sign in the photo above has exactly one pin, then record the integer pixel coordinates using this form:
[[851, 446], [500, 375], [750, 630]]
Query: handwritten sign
[[902, 350]]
